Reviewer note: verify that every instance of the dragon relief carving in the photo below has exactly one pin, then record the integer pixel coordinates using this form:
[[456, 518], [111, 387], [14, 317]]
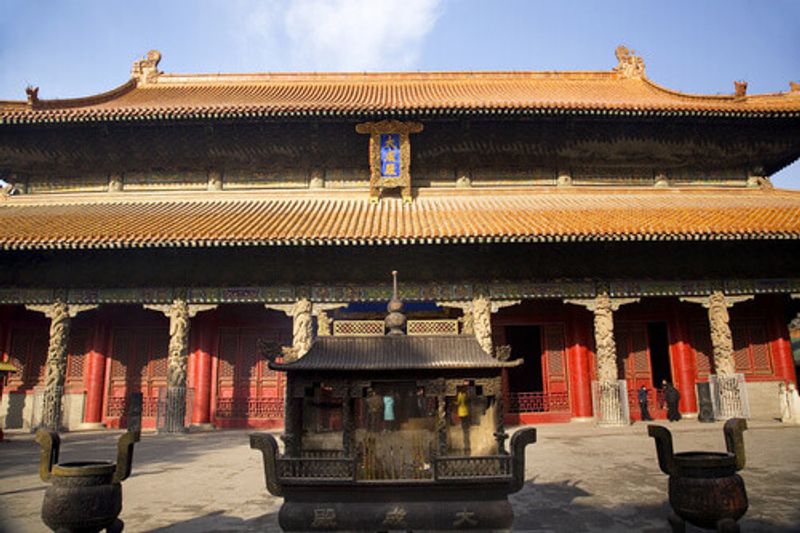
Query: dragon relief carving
[[56, 363], [794, 325], [178, 343], [302, 332], [721, 338], [604, 339], [482, 322], [467, 327], [324, 324]]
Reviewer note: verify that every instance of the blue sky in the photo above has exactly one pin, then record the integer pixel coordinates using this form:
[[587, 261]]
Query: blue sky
[[79, 47]]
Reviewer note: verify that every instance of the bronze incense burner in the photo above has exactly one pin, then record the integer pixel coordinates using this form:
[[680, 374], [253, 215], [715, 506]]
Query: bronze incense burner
[[473, 495], [395, 432], [84, 496], [704, 488]]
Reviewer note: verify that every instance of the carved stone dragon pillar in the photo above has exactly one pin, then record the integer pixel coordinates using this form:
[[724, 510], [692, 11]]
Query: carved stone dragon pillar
[[717, 303], [60, 315], [302, 324], [179, 312], [721, 338], [477, 319], [482, 322], [609, 391], [177, 359], [606, 353], [56, 365]]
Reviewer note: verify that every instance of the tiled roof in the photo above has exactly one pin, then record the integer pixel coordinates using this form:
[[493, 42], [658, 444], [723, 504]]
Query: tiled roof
[[436, 216], [160, 96], [395, 353]]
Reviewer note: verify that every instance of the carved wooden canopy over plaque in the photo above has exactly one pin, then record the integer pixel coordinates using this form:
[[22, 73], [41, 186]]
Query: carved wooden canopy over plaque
[[389, 156]]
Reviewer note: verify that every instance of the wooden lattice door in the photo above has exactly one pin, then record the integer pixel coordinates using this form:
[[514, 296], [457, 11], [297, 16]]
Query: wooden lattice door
[[634, 365], [554, 367], [751, 348], [634, 355], [27, 351], [246, 388], [138, 364], [553, 361]]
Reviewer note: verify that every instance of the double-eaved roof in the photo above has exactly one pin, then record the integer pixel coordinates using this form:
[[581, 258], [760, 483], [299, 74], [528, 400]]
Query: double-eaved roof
[[342, 217], [154, 95], [329, 217]]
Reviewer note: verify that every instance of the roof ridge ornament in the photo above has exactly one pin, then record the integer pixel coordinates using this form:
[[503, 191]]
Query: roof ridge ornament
[[629, 64], [740, 88], [395, 321], [145, 70], [33, 95]]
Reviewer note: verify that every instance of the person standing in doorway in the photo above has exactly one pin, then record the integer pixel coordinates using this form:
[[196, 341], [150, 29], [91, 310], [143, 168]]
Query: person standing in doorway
[[642, 397], [388, 412], [462, 406], [374, 408], [672, 397]]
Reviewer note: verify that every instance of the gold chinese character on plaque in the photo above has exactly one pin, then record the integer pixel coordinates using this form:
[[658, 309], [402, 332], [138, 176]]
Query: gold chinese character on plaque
[[389, 156]]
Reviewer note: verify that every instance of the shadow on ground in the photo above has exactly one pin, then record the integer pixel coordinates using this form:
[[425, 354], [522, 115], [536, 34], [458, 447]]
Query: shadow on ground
[[220, 522], [556, 507], [19, 454]]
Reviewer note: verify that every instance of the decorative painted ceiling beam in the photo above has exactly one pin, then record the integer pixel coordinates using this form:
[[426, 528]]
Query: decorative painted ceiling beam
[[327, 297]]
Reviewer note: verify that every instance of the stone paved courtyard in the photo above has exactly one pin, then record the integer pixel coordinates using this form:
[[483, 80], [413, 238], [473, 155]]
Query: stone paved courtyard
[[579, 478]]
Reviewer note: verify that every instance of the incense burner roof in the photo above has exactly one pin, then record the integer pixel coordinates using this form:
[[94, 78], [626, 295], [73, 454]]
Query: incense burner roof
[[153, 95], [395, 353], [332, 217]]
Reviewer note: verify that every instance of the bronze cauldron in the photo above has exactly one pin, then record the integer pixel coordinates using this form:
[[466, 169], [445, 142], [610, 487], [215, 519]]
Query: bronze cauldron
[[704, 488], [84, 496]]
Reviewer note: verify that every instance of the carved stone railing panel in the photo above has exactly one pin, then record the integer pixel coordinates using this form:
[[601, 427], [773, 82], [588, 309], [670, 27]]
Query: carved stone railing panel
[[117, 406], [358, 328], [260, 408], [432, 327], [729, 396], [538, 402]]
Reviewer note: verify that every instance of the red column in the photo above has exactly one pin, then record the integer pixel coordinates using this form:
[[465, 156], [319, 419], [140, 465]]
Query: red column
[[684, 362], [203, 336], [96, 373], [781, 347], [580, 378]]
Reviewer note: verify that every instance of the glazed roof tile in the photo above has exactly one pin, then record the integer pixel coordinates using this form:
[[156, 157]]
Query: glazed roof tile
[[395, 353], [128, 220], [159, 96]]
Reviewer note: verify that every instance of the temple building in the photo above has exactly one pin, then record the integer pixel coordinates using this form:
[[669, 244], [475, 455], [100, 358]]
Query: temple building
[[182, 235]]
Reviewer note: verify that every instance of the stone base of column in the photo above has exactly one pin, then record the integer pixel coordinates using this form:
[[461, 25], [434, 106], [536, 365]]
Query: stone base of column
[[689, 416], [611, 413], [88, 426], [200, 428], [582, 419], [175, 411], [730, 398]]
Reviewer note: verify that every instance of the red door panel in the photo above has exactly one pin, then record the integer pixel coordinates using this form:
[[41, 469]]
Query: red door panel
[[554, 362], [138, 364], [634, 366], [249, 394]]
